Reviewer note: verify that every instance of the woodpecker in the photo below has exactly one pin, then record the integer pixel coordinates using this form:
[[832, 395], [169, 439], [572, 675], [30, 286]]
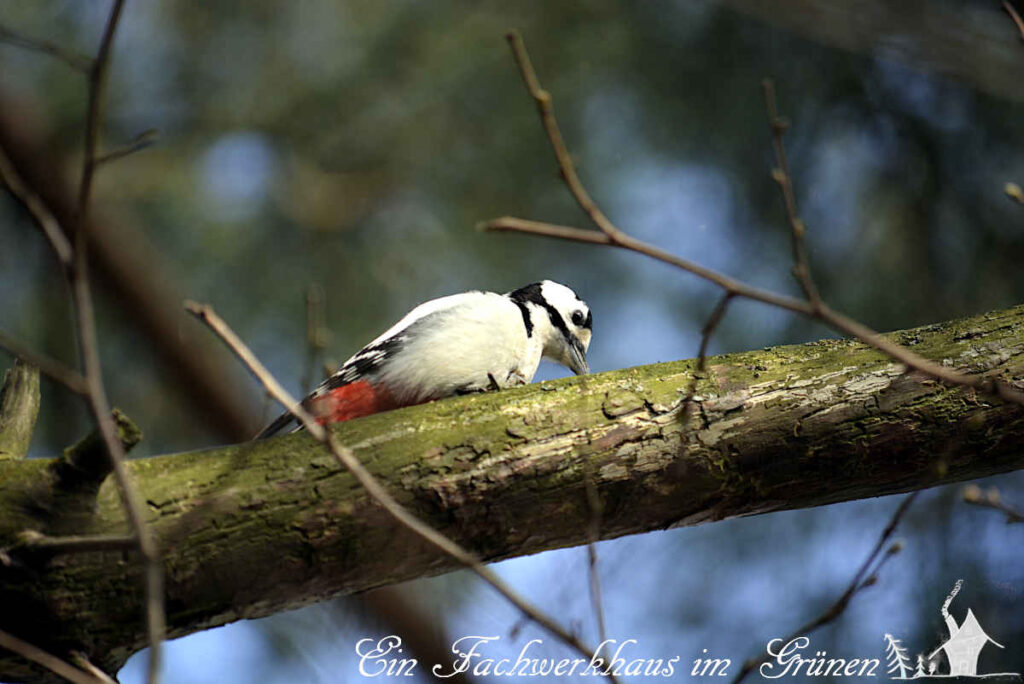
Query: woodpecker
[[464, 343]]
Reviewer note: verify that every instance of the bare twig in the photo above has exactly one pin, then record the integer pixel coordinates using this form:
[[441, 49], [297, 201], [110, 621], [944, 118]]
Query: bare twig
[[1014, 192], [624, 241], [83, 662], [991, 498], [1015, 16], [543, 100], [35, 541], [132, 501], [781, 174], [140, 142], [593, 573], [317, 334], [72, 59], [716, 316], [37, 209], [347, 459], [50, 662], [51, 368], [612, 236], [93, 119], [89, 349], [387, 604], [865, 577]]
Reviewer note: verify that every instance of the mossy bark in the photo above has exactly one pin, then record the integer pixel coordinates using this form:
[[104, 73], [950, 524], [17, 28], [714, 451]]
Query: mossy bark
[[255, 528]]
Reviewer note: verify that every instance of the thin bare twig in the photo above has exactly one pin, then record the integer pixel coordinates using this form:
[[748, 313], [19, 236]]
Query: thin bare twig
[[624, 241], [865, 577], [781, 174], [51, 368], [716, 316], [348, 460], [387, 604], [317, 334], [93, 119], [140, 142], [47, 660], [85, 321], [72, 59], [613, 236], [83, 662], [132, 501], [593, 573], [543, 100], [37, 209], [35, 541], [973, 494], [1015, 16], [1014, 192]]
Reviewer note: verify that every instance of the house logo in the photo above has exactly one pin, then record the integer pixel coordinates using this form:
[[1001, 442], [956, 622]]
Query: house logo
[[955, 657]]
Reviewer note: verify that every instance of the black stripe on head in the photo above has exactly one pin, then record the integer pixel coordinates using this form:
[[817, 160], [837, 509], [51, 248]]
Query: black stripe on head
[[527, 293], [532, 293], [527, 319]]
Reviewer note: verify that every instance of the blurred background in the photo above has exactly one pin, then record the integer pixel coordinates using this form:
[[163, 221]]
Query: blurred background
[[351, 146]]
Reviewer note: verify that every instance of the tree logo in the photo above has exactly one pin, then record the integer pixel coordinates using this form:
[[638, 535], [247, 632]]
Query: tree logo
[[961, 651]]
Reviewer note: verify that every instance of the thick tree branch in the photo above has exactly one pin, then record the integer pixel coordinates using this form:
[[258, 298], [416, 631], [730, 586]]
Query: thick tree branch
[[506, 474]]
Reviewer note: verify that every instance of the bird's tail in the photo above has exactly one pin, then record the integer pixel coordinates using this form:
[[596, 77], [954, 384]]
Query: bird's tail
[[279, 424]]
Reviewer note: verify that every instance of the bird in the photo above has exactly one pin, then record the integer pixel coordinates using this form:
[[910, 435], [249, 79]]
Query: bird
[[460, 344]]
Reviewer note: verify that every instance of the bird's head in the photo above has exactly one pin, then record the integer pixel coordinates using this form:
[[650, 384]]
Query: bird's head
[[563, 318]]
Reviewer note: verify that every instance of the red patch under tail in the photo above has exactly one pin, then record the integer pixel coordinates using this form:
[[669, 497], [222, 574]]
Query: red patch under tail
[[354, 400]]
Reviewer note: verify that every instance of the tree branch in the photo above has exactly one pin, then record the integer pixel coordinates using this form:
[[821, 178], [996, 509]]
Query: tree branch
[[505, 474], [972, 494], [73, 59]]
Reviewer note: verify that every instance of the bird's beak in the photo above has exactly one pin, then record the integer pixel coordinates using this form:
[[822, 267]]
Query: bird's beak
[[578, 358]]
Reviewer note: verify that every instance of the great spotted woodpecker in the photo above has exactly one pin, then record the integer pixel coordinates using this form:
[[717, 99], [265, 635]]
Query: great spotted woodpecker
[[464, 343]]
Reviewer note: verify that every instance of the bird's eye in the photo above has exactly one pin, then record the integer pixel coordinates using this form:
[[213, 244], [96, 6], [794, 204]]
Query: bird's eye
[[577, 318]]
